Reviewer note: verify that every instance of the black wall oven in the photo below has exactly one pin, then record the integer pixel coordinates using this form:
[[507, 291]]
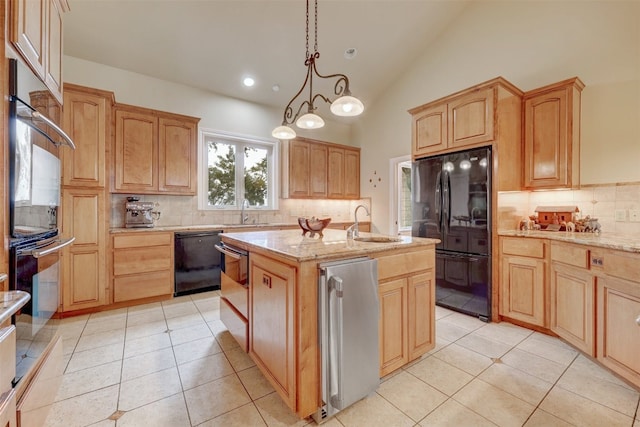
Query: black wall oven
[[34, 200]]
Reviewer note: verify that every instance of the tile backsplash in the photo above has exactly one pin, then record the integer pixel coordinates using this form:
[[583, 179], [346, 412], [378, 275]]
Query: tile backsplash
[[599, 202], [183, 211]]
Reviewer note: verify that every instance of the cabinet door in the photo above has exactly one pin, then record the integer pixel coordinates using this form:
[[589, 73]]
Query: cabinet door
[[177, 153], [351, 174], [545, 140], [28, 31], [394, 334], [8, 409], [136, 151], [522, 289], [335, 171], [421, 300], [84, 270], [318, 170], [430, 130], [87, 120], [471, 118], [53, 69], [299, 173], [619, 327], [272, 324], [573, 306]]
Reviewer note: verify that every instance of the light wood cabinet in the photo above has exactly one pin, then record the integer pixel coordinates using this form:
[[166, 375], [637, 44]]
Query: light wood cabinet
[[7, 357], [463, 120], [320, 170], [142, 265], [523, 282], [8, 409], [84, 269], [154, 152], [552, 135], [572, 296], [343, 173], [36, 33], [272, 328], [407, 296], [86, 118]]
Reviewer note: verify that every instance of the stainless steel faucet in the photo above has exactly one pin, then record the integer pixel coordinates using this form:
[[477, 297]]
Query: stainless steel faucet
[[244, 218], [353, 231]]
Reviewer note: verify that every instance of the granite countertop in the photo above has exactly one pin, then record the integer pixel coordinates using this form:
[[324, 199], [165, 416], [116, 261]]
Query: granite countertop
[[622, 242], [207, 227], [334, 245], [12, 301]]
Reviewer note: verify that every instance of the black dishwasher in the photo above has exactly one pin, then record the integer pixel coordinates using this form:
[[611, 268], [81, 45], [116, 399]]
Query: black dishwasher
[[197, 262]]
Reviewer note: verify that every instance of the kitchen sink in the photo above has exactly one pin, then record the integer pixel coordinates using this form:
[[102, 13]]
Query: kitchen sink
[[377, 239]]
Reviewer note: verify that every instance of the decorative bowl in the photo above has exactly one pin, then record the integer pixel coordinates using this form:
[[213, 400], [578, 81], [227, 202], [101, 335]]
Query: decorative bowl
[[313, 225]]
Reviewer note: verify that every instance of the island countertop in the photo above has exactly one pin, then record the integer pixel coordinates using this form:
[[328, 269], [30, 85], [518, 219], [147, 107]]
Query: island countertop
[[334, 244]]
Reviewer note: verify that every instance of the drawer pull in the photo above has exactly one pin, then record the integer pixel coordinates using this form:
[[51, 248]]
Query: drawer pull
[[596, 261], [266, 280], [638, 320]]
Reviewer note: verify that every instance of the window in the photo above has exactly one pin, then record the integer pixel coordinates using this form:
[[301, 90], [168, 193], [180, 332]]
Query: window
[[235, 169]]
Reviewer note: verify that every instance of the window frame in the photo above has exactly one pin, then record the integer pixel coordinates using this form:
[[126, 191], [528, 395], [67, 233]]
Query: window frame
[[240, 141]]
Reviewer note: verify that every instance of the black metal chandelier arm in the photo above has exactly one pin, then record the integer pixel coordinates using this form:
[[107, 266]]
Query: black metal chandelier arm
[[321, 96], [288, 111]]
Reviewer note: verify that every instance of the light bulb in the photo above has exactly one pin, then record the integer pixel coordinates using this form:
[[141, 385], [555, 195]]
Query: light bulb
[[310, 121], [347, 106], [448, 166], [465, 164]]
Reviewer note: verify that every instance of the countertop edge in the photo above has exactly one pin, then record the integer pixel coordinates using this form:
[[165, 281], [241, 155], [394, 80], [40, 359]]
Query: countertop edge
[[11, 302], [213, 227], [622, 242]]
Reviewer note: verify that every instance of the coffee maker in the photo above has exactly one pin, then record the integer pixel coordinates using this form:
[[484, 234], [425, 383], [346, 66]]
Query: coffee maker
[[140, 214]]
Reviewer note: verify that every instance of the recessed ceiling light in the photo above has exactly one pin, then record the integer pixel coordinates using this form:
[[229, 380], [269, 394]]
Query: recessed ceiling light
[[275, 87], [248, 81], [350, 53]]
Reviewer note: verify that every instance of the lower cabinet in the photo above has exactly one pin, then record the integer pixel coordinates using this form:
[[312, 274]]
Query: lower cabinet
[[8, 409], [271, 328], [83, 267], [572, 296], [142, 265], [522, 280], [618, 327], [407, 296]]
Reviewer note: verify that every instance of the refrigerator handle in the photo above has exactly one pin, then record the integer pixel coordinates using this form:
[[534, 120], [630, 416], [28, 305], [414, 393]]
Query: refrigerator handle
[[446, 200], [335, 342], [438, 197]]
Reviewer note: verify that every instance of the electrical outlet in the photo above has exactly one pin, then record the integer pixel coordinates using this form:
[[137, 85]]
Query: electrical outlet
[[621, 215], [634, 216]]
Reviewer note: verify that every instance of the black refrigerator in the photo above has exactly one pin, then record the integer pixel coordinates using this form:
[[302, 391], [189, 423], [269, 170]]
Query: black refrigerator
[[451, 201]]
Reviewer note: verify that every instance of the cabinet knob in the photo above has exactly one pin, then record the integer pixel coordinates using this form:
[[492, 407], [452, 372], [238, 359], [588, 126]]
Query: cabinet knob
[[638, 320]]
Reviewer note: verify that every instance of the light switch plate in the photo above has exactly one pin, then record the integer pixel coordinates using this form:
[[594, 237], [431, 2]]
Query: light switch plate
[[621, 215], [634, 216]]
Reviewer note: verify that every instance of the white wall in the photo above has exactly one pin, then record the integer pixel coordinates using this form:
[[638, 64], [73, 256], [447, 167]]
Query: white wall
[[216, 111], [531, 44]]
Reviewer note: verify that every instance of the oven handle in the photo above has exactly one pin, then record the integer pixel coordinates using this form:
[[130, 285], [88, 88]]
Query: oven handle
[[55, 246], [230, 252]]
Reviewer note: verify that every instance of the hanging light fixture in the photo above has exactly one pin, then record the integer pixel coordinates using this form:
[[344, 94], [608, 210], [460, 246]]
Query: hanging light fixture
[[305, 116]]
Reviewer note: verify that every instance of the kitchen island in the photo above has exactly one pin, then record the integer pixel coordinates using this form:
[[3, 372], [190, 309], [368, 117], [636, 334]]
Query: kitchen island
[[282, 297]]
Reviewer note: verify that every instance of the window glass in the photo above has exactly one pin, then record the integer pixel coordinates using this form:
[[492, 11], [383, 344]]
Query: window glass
[[255, 176], [221, 168]]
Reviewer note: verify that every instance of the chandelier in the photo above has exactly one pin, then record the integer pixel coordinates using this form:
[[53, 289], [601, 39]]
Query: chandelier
[[305, 116]]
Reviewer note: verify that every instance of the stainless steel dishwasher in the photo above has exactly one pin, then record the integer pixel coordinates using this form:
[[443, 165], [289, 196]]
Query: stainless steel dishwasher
[[197, 262], [348, 316]]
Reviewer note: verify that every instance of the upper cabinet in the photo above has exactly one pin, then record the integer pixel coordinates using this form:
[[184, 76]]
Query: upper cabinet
[[552, 135], [319, 170], [36, 33], [155, 152]]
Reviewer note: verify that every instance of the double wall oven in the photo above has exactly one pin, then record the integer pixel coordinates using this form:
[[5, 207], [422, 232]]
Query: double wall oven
[[34, 189]]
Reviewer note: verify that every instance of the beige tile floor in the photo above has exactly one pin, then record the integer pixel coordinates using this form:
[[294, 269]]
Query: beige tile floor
[[173, 364]]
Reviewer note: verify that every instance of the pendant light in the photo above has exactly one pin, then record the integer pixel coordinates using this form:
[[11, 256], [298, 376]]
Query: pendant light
[[305, 116]]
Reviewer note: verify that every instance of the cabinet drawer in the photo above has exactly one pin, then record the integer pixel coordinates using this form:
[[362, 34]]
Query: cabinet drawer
[[142, 286], [523, 247], [236, 324], [621, 264], [142, 260], [7, 357], [569, 254], [142, 240], [235, 293], [406, 263]]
